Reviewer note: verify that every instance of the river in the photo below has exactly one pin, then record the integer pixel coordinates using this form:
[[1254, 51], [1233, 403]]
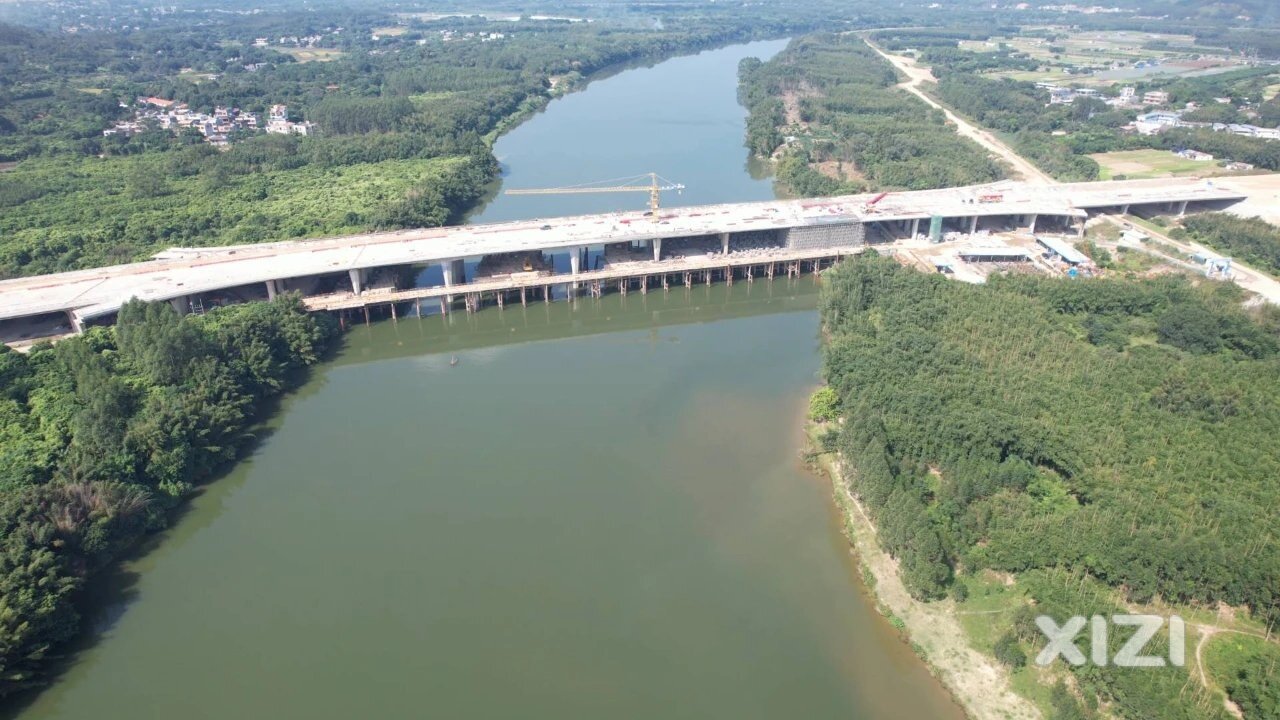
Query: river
[[600, 511]]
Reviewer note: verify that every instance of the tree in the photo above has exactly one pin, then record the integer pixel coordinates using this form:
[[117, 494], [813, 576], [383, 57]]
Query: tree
[[824, 405], [154, 339], [1008, 652]]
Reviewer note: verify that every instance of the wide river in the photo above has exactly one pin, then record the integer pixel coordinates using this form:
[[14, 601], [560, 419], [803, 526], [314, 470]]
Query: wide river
[[599, 512]]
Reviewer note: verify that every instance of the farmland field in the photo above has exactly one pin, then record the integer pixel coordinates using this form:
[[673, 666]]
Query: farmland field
[[313, 54], [1150, 164], [1097, 49]]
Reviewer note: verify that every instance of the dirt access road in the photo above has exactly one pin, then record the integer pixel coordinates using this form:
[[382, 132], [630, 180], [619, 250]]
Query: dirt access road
[[917, 75], [1246, 277], [1263, 190]]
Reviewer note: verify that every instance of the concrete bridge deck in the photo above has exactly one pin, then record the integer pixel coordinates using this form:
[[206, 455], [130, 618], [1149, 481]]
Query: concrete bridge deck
[[182, 272]]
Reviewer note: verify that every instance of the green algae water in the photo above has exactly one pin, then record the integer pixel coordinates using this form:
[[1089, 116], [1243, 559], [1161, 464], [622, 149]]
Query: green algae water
[[599, 511]]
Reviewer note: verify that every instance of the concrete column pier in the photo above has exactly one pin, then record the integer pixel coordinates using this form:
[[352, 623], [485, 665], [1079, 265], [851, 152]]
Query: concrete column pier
[[915, 228], [1080, 229], [724, 242], [657, 249], [575, 260], [357, 280], [1124, 209], [1182, 208], [973, 226], [181, 304], [454, 272], [77, 325], [1033, 223], [272, 290]]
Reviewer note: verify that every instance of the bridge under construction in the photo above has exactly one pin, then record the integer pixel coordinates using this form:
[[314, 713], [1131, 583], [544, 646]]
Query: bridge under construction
[[465, 267]]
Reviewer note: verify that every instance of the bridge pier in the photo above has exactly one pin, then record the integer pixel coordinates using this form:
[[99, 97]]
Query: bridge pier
[[915, 228], [1182, 208], [973, 226], [358, 276], [1124, 209], [181, 304], [77, 325], [724, 242], [454, 273], [657, 249], [1033, 224]]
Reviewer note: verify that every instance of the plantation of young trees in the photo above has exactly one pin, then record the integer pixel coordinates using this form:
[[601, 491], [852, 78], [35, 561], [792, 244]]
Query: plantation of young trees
[[855, 117], [1114, 431]]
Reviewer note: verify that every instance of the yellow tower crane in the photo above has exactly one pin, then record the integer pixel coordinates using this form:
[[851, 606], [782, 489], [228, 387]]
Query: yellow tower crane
[[657, 185]]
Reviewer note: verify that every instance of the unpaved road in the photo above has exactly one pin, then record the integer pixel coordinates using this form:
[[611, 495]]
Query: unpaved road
[[1263, 190], [917, 75], [1246, 277]]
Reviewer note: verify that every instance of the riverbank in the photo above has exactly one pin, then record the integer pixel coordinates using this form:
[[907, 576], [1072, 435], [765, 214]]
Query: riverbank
[[135, 419], [977, 682]]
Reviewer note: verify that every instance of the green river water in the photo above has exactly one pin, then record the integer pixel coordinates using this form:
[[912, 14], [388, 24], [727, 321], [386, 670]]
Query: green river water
[[599, 512]]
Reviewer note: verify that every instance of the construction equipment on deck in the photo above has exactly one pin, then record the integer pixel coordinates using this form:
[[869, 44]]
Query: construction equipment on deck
[[654, 189]]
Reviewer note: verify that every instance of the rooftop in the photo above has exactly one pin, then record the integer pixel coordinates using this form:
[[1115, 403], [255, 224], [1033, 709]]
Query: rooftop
[[1064, 250]]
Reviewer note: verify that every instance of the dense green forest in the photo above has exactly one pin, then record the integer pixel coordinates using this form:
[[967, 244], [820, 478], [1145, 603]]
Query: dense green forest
[[1017, 109], [848, 112], [404, 124], [105, 432], [1083, 434], [90, 212]]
